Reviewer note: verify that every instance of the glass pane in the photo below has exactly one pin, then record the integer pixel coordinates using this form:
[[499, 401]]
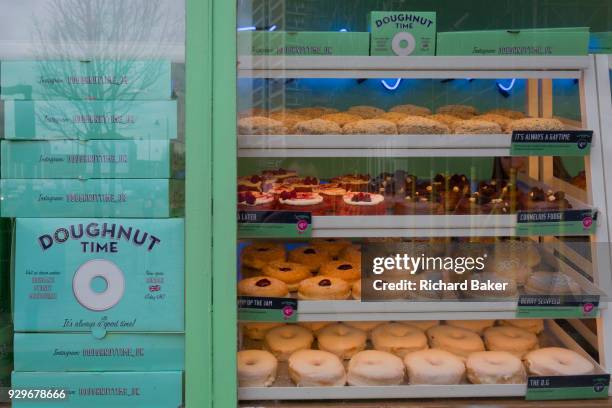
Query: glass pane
[[92, 199], [417, 182]]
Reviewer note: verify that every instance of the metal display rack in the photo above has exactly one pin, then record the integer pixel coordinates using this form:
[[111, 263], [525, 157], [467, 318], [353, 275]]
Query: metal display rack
[[539, 73]]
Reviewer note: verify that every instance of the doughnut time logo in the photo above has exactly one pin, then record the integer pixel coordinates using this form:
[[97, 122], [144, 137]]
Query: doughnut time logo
[[95, 231], [404, 20]]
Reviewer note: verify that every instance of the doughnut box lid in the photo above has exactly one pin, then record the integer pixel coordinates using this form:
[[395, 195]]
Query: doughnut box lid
[[98, 275]]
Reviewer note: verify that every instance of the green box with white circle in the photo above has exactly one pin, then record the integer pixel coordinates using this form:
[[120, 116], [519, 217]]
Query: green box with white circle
[[402, 33], [98, 275]]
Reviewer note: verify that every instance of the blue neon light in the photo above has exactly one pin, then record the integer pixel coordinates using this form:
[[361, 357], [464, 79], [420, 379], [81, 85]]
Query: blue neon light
[[391, 87], [272, 28], [344, 30], [249, 28], [506, 88]]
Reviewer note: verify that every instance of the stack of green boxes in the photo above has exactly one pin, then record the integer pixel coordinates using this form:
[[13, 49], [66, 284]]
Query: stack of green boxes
[[98, 305]]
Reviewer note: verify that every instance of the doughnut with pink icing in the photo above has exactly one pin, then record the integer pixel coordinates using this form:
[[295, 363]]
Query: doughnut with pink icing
[[495, 367], [556, 361], [373, 367], [434, 366], [316, 368], [458, 341]]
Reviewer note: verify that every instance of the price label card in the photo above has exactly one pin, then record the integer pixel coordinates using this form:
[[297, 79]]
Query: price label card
[[551, 143], [568, 387], [267, 309], [558, 223], [558, 306], [274, 224]]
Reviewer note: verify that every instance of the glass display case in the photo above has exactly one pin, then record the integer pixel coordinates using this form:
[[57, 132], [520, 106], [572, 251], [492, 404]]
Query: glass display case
[[412, 218]]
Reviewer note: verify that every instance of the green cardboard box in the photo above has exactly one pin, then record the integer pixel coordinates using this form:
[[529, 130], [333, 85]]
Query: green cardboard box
[[103, 390], [303, 43], [85, 120], [600, 43], [113, 352], [126, 198], [532, 42], [402, 33], [92, 80], [138, 159]]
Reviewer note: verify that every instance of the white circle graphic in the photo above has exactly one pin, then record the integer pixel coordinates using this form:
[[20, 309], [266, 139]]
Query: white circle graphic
[[83, 280], [403, 44]]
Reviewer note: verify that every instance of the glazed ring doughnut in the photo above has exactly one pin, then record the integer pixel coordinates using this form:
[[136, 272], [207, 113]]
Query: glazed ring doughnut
[[477, 326], [314, 327], [458, 341], [257, 331], [399, 339], [256, 368], [495, 367], [372, 367], [344, 270], [511, 339], [556, 361], [435, 367], [289, 272], [316, 368], [341, 340], [551, 283], [535, 326], [285, 340], [324, 288], [352, 254], [257, 255], [333, 246], [422, 324], [262, 286], [313, 258], [365, 326], [356, 290]]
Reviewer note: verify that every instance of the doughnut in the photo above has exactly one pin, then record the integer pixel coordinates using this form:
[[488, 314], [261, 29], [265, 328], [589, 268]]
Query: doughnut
[[341, 118], [399, 339], [460, 111], [411, 110], [365, 112], [262, 286], [365, 326], [510, 266], [475, 126], [316, 368], [344, 270], [285, 340], [324, 288], [434, 367], [421, 324], [289, 272], [502, 121], [309, 256], [288, 119], [477, 326], [333, 246], [551, 283], [373, 367], [508, 113], [342, 340], [495, 367], [317, 127], [527, 250], [256, 368], [314, 327], [259, 254], [313, 112], [257, 331], [394, 117], [370, 127], [511, 339], [259, 125], [556, 361], [448, 120], [352, 254], [82, 285], [356, 290], [536, 124], [417, 125], [535, 326], [458, 341]]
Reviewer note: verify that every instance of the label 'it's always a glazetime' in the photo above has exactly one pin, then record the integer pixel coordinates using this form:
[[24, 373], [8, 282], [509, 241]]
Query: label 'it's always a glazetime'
[[274, 224], [551, 143], [99, 275], [567, 387]]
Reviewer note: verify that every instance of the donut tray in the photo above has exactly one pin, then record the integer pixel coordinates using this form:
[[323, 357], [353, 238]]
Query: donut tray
[[284, 389]]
